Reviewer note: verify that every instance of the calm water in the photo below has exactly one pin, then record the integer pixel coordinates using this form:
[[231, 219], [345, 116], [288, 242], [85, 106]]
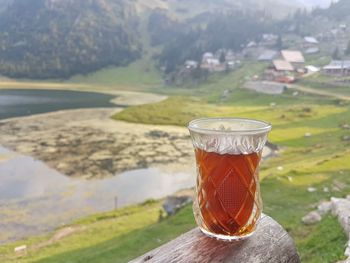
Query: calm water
[[16, 103], [35, 198]]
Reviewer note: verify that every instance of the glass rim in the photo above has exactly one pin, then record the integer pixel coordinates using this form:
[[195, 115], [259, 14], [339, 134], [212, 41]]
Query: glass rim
[[266, 126]]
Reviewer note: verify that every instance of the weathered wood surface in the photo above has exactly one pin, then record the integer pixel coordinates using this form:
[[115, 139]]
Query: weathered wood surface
[[270, 244]]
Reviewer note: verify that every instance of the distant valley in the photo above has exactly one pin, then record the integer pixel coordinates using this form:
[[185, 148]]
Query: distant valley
[[59, 39]]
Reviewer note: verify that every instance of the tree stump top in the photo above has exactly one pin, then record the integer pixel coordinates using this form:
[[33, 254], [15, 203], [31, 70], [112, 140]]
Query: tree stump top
[[269, 244]]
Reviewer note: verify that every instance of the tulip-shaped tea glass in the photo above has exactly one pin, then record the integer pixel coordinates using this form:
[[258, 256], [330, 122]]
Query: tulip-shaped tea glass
[[228, 151]]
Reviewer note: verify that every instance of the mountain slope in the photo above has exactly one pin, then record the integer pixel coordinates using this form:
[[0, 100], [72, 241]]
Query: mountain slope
[[58, 39], [43, 39], [338, 11], [4, 4]]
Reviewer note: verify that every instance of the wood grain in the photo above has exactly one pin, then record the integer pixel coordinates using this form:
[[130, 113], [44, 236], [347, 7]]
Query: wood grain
[[270, 244]]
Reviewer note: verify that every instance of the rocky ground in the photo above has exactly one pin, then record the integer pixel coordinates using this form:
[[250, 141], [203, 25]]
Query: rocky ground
[[88, 143], [339, 207]]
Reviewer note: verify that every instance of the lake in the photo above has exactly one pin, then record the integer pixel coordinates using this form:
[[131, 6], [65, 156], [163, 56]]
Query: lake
[[35, 199], [24, 102]]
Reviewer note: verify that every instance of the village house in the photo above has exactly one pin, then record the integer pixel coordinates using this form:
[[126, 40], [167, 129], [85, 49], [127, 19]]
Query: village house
[[269, 40], [191, 64], [251, 44], [212, 64], [234, 64], [209, 62], [295, 58], [337, 68], [268, 55], [206, 56], [230, 56], [310, 45], [252, 50], [280, 71], [310, 42], [282, 66], [312, 69]]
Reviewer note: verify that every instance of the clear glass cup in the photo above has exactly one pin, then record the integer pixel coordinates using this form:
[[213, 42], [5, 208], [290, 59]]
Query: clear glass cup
[[228, 151]]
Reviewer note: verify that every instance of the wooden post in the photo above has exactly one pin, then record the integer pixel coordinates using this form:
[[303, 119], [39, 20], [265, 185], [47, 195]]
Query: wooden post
[[269, 244]]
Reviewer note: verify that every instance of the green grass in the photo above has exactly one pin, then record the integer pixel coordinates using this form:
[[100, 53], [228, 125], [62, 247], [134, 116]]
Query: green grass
[[116, 236], [139, 75], [317, 60], [323, 243], [142, 74], [326, 83], [319, 161], [214, 86], [125, 234], [307, 161]]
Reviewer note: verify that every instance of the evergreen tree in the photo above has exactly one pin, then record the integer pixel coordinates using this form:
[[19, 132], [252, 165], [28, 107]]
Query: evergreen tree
[[336, 55], [222, 58], [279, 44], [347, 51]]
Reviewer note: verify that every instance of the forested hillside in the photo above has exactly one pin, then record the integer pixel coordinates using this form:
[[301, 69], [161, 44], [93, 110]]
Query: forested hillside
[[229, 31], [338, 10], [4, 4], [43, 39]]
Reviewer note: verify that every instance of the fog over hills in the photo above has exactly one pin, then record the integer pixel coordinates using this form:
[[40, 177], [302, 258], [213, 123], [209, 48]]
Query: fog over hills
[[319, 3], [316, 3], [60, 38]]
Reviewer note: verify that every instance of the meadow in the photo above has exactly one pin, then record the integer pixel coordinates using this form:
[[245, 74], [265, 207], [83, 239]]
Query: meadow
[[319, 160], [327, 83]]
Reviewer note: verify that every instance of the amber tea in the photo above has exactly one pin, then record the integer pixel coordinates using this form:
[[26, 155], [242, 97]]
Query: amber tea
[[228, 153], [226, 191]]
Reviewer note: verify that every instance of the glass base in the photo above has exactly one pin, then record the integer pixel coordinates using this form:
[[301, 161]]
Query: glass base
[[226, 238]]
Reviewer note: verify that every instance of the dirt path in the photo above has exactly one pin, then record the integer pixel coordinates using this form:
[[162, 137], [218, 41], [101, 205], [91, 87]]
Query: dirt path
[[319, 92]]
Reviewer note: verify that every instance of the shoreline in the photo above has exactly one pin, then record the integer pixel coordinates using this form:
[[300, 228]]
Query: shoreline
[[55, 135], [87, 143], [66, 199], [123, 97]]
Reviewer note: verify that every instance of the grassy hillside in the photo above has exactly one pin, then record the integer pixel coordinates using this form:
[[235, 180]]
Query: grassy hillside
[[110, 237], [139, 75], [328, 84], [319, 161]]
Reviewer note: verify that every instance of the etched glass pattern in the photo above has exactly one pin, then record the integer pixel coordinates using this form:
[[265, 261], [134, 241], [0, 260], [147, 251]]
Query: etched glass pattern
[[228, 202]]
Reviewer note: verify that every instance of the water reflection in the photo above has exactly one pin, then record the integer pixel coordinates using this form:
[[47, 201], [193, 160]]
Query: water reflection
[[23, 102], [35, 198]]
